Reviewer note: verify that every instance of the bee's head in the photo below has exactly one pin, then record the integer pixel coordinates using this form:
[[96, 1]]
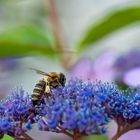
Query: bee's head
[[62, 79]]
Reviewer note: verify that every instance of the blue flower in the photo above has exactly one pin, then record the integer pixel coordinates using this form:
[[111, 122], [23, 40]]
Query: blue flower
[[125, 104], [73, 108], [17, 104], [4, 124], [87, 107], [81, 108], [28, 125], [15, 111]]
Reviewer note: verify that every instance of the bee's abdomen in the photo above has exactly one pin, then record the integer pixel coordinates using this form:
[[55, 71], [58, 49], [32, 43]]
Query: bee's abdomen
[[38, 92]]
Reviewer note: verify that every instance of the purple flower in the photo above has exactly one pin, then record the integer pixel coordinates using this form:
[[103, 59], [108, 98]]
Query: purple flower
[[134, 134], [109, 67], [99, 69], [131, 77], [7, 66], [128, 67]]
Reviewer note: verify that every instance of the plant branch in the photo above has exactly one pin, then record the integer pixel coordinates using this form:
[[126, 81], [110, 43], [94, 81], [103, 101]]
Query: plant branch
[[57, 31], [125, 129], [62, 130], [18, 138], [76, 136], [26, 136]]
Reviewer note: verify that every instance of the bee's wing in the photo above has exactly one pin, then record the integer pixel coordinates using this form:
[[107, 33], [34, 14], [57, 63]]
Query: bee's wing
[[39, 71]]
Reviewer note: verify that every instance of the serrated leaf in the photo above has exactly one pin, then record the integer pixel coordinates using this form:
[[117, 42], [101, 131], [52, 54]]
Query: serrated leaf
[[109, 24], [25, 40]]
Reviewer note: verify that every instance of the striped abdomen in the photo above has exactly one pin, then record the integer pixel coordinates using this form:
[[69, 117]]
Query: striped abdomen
[[38, 92]]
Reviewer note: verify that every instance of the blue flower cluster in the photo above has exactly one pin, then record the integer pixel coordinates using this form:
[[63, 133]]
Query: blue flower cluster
[[73, 108], [81, 108], [87, 107], [122, 104], [15, 111], [132, 107]]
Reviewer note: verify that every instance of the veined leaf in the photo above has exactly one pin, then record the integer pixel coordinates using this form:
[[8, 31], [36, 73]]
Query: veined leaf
[[24, 40], [109, 24]]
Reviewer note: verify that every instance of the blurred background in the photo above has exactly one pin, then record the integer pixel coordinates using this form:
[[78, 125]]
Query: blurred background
[[89, 39]]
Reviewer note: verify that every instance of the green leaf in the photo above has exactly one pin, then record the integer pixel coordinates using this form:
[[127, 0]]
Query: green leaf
[[6, 137], [25, 40], [11, 48], [95, 137], [109, 24]]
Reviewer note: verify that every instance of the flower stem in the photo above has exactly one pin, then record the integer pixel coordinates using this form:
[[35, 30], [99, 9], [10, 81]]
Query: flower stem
[[62, 130], [19, 138], [125, 129], [76, 136], [25, 137], [65, 56]]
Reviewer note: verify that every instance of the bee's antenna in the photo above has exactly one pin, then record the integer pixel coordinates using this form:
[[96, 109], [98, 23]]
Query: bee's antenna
[[39, 71]]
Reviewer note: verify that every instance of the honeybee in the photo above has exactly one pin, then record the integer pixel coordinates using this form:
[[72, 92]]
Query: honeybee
[[43, 87]]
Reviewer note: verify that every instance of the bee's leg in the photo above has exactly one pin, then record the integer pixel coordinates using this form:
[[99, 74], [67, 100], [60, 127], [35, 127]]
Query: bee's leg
[[47, 89], [35, 102]]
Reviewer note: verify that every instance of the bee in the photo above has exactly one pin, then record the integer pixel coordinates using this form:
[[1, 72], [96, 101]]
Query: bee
[[43, 87]]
